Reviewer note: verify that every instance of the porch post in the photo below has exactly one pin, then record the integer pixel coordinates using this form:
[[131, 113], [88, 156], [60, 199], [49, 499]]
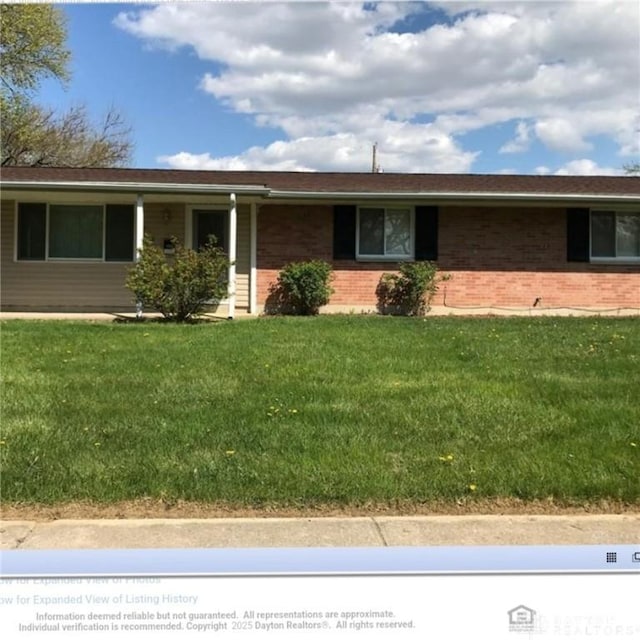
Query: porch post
[[139, 239], [253, 283], [233, 240]]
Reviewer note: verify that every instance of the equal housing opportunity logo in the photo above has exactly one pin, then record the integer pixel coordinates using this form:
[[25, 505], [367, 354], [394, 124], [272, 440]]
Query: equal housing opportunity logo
[[522, 619]]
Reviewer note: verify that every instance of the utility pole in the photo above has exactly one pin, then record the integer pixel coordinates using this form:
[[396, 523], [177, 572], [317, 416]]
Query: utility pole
[[374, 164]]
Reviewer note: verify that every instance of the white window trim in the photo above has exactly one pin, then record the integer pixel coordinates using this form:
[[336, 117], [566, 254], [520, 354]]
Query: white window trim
[[364, 257], [188, 222], [50, 259], [610, 259]]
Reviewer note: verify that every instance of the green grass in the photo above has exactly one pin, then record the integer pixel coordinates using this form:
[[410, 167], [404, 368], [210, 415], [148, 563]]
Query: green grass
[[309, 411]]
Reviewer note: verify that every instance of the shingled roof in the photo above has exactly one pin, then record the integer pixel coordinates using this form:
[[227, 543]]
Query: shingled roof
[[310, 182]]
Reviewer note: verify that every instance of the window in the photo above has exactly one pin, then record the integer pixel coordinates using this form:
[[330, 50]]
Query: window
[[615, 235], [75, 232], [423, 232], [207, 222], [385, 233]]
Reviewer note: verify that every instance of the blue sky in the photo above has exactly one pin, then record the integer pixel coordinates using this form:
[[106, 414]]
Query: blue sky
[[481, 87]]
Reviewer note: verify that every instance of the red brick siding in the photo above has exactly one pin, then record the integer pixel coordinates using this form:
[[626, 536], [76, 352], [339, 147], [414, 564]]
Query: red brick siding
[[510, 257], [496, 257]]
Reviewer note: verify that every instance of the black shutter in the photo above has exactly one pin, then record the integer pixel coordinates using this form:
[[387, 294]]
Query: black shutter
[[426, 244], [32, 231], [119, 233], [344, 232], [577, 235]]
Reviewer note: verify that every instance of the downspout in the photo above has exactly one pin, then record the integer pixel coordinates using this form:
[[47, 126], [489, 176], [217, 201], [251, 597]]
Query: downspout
[[139, 240], [253, 282], [233, 240]]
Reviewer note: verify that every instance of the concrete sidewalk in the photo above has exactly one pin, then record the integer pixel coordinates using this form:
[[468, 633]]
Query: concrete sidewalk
[[321, 532], [531, 312], [95, 316]]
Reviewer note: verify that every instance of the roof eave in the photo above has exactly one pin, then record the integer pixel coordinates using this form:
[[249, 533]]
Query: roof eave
[[288, 194], [453, 196], [134, 187]]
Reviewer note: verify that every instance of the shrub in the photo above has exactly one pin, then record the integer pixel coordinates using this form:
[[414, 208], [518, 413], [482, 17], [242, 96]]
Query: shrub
[[410, 291], [302, 288], [183, 287]]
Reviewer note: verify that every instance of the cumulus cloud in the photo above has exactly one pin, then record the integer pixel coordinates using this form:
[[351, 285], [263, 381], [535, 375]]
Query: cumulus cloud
[[586, 167], [406, 147], [581, 167], [560, 134], [521, 141], [334, 77]]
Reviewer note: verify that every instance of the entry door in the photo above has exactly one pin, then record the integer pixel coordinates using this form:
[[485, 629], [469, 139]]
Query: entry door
[[208, 222]]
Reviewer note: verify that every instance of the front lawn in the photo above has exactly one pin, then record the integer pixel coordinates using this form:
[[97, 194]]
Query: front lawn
[[344, 410]]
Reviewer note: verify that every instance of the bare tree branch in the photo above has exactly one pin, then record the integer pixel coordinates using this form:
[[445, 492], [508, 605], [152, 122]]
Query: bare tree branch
[[37, 136]]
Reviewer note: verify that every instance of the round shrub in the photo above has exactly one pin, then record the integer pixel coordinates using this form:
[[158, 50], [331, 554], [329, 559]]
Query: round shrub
[[303, 287]]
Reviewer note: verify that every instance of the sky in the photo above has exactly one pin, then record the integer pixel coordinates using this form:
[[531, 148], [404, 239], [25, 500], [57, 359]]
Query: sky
[[525, 86]]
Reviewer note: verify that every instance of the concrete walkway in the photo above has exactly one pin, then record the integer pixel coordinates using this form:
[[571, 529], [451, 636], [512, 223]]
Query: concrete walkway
[[321, 532], [98, 317], [531, 312]]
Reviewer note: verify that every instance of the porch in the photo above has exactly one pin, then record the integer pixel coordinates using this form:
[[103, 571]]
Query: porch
[[67, 271]]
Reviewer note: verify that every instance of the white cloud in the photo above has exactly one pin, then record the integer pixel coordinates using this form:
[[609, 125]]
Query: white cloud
[[333, 78], [586, 167], [560, 134], [403, 148], [521, 141], [581, 167]]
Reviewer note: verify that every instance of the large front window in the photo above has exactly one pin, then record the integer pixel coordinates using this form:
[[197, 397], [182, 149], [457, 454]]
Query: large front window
[[385, 233], [615, 235], [75, 232]]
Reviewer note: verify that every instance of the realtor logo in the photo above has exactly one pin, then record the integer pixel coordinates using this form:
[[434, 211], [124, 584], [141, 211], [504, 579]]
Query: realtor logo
[[521, 619]]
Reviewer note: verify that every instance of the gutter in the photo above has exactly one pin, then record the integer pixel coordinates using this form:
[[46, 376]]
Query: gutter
[[448, 195], [135, 187], [275, 194]]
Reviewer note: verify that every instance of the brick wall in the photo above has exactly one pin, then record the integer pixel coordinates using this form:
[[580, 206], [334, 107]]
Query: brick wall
[[288, 234], [510, 257], [496, 257]]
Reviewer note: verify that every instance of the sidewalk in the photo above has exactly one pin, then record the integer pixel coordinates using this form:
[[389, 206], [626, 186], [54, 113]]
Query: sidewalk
[[376, 531], [95, 316], [243, 315]]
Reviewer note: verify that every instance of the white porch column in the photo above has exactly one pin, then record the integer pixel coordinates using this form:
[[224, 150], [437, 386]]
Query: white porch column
[[139, 224], [253, 283], [233, 241], [139, 239]]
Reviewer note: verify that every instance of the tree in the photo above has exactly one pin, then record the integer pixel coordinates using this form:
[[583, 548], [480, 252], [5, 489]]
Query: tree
[[32, 46], [33, 136], [632, 168], [33, 49]]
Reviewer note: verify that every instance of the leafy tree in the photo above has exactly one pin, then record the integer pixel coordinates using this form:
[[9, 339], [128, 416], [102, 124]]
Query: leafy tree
[[32, 49]]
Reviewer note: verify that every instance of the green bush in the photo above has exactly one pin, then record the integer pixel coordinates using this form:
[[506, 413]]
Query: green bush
[[182, 286], [410, 291], [302, 288]]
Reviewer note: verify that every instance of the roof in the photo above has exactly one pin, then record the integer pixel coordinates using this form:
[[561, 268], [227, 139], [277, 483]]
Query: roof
[[278, 183]]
